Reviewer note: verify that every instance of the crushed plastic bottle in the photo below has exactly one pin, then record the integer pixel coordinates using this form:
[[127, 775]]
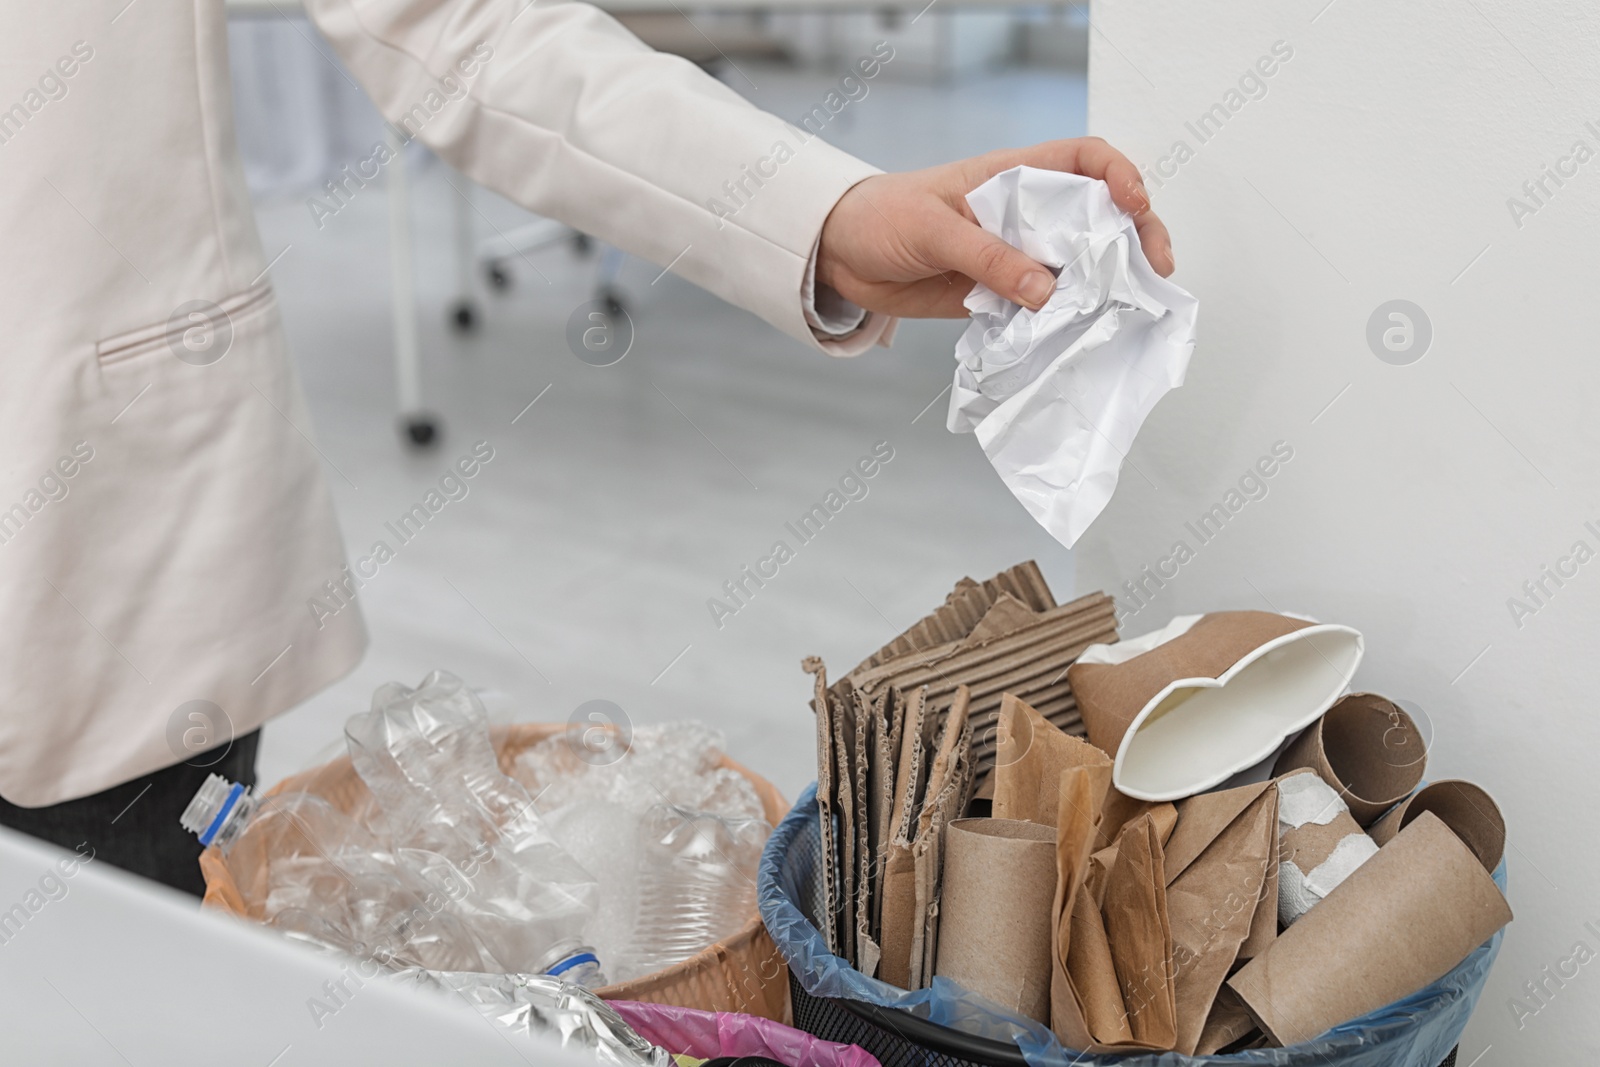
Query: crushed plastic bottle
[[697, 883], [323, 878], [471, 832]]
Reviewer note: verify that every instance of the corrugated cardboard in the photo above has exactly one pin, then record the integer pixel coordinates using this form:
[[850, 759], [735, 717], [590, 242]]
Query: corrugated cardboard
[[949, 789], [1218, 860], [826, 762], [1465, 808], [994, 911], [1029, 663], [844, 741], [1403, 919], [963, 609], [1367, 748], [898, 919]]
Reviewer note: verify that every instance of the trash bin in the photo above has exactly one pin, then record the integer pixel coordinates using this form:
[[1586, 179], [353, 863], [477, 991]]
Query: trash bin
[[742, 973], [946, 1026]]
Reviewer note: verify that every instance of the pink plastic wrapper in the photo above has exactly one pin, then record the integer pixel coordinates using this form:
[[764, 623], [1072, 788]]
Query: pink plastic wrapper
[[709, 1034]]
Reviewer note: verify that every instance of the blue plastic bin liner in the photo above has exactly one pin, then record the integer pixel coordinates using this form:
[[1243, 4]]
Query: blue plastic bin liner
[[1417, 1031]]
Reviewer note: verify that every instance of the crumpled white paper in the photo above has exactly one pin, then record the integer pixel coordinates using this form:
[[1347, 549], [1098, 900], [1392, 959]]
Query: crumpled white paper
[[1057, 395]]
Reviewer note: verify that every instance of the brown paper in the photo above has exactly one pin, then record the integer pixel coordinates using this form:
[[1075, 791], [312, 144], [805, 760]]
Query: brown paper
[[1470, 813], [1403, 919], [1228, 1023], [1110, 696], [1213, 894], [1075, 822], [994, 911], [1140, 935], [1367, 748], [1093, 973], [1029, 760]]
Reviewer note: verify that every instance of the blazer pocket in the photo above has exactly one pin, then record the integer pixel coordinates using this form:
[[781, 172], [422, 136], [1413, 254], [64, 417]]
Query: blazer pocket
[[198, 332]]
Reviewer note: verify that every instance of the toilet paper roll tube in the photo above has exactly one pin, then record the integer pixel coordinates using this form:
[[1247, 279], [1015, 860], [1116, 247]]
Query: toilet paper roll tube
[[1462, 806], [994, 927], [1367, 748]]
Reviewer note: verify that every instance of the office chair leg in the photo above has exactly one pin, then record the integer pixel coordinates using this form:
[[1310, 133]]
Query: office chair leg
[[421, 429]]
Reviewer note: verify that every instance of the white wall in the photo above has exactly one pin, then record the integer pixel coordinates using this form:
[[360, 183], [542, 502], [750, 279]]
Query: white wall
[[1420, 497]]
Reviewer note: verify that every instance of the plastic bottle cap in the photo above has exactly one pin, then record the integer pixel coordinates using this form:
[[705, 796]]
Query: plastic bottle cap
[[571, 962]]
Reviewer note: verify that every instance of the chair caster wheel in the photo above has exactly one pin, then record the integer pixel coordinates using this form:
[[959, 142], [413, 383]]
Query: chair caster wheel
[[464, 317], [421, 431]]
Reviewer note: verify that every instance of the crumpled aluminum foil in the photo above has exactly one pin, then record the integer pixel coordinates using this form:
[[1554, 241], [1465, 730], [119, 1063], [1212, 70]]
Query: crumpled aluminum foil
[[536, 1004]]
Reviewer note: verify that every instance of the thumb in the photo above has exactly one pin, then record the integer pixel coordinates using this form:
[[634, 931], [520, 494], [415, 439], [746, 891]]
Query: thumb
[[983, 257]]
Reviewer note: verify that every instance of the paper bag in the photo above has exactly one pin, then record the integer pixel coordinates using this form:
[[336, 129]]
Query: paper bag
[[1402, 920], [1470, 813], [1185, 707], [1367, 748], [1110, 987], [994, 911], [1139, 932], [1217, 865]]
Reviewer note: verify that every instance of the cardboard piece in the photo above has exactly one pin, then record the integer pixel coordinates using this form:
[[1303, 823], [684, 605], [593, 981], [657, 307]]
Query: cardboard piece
[[844, 740], [898, 917], [994, 911], [1184, 708], [949, 789], [1367, 748], [962, 610], [1402, 920], [1070, 1013], [825, 803], [1218, 862], [1466, 809], [1030, 758], [1029, 663]]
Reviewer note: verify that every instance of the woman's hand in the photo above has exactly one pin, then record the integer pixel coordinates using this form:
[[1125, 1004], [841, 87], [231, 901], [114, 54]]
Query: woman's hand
[[907, 244]]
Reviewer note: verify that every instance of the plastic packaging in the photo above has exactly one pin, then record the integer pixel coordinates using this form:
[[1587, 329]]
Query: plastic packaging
[[697, 881], [470, 831], [708, 1035], [1416, 1031], [591, 802]]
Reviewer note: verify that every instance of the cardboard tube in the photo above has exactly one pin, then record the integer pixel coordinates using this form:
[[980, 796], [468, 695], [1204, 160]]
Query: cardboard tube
[[994, 917], [1367, 748], [1317, 838], [1402, 920], [1469, 811]]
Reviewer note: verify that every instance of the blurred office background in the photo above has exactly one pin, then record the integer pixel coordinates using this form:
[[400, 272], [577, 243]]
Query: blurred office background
[[580, 564]]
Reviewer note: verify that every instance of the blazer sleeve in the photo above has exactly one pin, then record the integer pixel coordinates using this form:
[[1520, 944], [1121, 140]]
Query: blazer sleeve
[[559, 108]]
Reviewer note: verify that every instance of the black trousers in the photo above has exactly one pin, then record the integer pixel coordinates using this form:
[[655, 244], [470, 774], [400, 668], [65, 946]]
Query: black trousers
[[135, 825]]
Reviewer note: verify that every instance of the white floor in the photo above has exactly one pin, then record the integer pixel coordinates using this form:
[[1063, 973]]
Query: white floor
[[580, 565]]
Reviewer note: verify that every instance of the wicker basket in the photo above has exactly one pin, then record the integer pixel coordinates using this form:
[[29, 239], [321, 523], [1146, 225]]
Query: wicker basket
[[743, 973]]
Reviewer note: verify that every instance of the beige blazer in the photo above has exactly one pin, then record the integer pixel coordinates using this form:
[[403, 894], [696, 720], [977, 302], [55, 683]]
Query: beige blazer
[[164, 519]]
